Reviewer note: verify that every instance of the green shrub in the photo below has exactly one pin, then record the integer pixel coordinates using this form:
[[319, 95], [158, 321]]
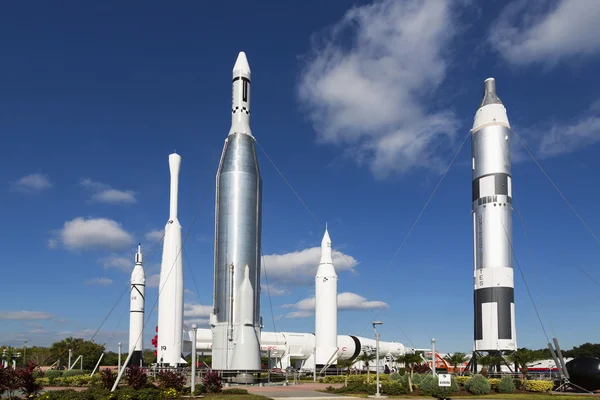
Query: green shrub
[[539, 386], [395, 377], [417, 378], [353, 378], [52, 374], [234, 391], [494, 383], [430, 386], [461, 380], [392, 389], [518, 383], [506, 385], [59, 381], [75, 372], [478, 385]]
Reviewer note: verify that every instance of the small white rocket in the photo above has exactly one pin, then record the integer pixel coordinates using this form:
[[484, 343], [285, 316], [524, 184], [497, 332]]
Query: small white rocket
[[136, 311], [326, 307], [170, 295]]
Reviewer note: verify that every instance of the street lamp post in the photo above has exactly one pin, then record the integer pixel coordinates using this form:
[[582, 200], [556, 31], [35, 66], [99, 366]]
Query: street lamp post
[[119, 366], [375, 323], [194, 332], [433, 356], [70, 354], [24, 351]]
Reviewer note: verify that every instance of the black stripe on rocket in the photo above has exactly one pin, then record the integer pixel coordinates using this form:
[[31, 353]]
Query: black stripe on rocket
[[246, 83], [500, 188], [503, 297], [138, 290]]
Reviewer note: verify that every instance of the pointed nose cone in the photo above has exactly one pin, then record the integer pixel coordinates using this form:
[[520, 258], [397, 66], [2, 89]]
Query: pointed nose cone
[[489, 93], [326, 257], [241, 64], [138, 256]]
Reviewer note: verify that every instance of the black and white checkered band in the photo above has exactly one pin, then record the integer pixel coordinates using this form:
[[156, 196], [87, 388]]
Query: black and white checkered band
[[240, 109]]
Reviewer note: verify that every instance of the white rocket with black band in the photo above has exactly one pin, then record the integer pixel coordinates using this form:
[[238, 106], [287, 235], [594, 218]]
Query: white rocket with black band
[[492, 226], [136, 311]]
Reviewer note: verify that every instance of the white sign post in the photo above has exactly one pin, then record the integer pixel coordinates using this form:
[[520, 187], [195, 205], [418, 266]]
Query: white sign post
[[444, 380]]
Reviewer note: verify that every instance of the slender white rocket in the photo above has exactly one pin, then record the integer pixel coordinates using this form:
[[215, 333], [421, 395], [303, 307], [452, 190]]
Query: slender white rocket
[[136, 310], [240, 102], [170, 305], [326, 306], [492, 226]]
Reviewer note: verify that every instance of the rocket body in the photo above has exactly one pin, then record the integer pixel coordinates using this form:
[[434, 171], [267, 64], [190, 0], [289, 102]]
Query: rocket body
[[492, 226], [170, 305], [136, 311], [235, 320], [326, 307]]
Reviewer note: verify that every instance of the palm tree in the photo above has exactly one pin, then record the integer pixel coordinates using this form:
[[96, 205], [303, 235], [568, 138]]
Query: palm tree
[[366, 358], [409, 360], [456, 359], [522, 357], [341, 364]]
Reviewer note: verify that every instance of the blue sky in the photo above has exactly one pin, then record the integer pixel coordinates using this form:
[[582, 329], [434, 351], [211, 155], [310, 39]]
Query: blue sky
[[361, 106]]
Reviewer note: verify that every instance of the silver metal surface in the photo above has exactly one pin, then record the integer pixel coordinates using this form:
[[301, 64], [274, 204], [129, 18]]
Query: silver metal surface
[[238, 226], [489, 93]]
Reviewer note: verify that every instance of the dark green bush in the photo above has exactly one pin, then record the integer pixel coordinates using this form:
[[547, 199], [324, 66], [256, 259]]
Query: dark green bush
[[430, 386], [234, 391], [392, 389], [200, 389], [518, 383], [52, 374], [395, 377], [75, 372], [506, 385], [478, 384]]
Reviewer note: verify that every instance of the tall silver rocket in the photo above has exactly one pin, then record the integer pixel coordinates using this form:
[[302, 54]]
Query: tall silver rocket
[[136, 310], [494, 301], [235, 320], [170, 295]]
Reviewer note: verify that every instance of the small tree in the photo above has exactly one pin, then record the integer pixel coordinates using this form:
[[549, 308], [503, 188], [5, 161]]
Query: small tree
[[409, 361], [455, 360], [522, 357], [366, 358]]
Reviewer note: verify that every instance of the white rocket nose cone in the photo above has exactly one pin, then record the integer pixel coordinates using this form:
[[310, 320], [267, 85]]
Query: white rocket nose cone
[[241, 64]]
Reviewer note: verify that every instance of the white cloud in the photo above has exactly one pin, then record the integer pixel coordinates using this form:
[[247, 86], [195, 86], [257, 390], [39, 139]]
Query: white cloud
[[33, 183], [201, 322], [300, 267], [272, 290], [528, 32], [99, 281], [376, 97], [122, 263], [346, 301], [196, 310], [556, 138], [106, 194], [566, 138], [155, 235], [82, 234], [25, 315]]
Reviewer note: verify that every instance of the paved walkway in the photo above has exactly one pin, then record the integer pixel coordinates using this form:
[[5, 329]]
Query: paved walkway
[[301, 391]]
